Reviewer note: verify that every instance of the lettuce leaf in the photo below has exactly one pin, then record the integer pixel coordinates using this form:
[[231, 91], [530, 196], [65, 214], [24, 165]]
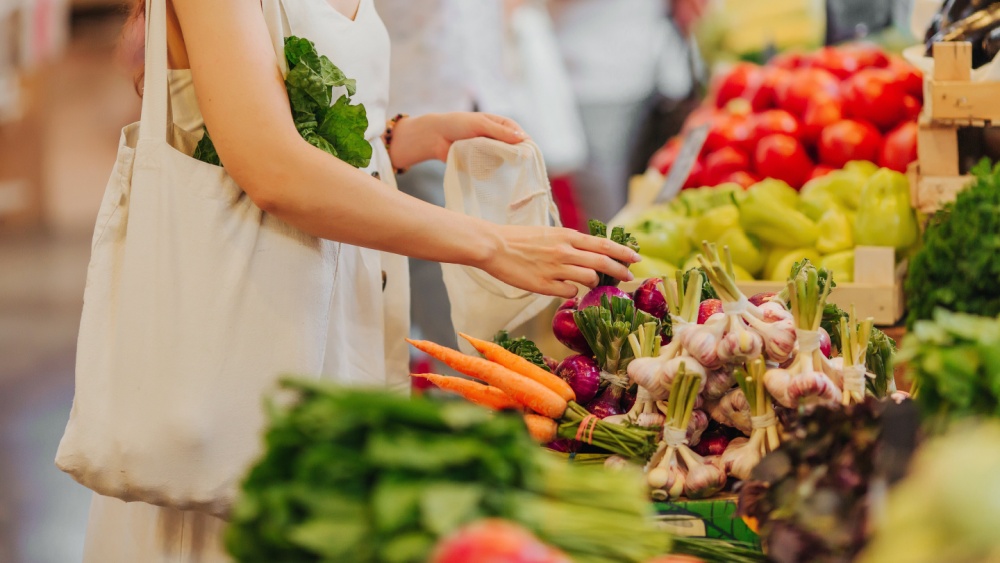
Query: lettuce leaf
[[337, 128]]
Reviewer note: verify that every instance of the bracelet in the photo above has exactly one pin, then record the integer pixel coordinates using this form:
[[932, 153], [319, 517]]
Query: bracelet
[[387, 136]]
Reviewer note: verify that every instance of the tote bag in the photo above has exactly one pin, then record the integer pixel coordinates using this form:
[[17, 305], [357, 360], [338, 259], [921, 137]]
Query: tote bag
[[195, 302], [507, 185]]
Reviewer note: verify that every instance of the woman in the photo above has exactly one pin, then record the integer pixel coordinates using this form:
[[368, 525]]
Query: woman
[[235, 89]]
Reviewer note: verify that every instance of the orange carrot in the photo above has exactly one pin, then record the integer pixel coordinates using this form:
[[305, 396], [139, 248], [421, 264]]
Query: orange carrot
[[526, 391], [506, 358], [542, 429], [472, 391]]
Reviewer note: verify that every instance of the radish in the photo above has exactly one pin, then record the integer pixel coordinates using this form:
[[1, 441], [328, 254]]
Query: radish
[[650, 299], [708, 308]]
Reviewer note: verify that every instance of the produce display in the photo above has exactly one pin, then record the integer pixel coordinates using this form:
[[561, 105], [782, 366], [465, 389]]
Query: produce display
[[357, 475], [803, 115], [770, 226]]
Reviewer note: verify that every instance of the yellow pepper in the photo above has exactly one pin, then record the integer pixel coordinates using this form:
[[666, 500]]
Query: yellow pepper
[[835, 232]]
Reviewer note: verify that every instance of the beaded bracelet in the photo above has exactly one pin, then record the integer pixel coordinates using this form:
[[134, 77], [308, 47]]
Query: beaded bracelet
[[387, 136]]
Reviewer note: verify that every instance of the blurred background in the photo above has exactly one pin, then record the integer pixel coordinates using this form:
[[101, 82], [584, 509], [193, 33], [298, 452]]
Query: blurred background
[[601, 84]]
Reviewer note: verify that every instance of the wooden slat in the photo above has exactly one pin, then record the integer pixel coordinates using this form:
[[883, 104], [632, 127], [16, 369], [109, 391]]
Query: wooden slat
[[953, 61], [937, 150], [935, 191], [964, 101]]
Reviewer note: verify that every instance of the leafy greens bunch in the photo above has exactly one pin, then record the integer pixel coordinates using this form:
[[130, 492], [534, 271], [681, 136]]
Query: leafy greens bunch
[[336, 127], [523, 347], [618, 235], [958, 267]]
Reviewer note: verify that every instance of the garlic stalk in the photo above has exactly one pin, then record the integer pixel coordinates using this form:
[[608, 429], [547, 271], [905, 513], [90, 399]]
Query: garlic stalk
[[763, 422], [854, 337], [645, 343], [739, 342]]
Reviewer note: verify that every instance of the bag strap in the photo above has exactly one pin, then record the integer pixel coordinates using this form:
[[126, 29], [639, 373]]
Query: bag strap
[[155, 117], [153, 120]]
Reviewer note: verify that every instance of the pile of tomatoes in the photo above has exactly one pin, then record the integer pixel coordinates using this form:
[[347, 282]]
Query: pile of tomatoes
[[804, 114]]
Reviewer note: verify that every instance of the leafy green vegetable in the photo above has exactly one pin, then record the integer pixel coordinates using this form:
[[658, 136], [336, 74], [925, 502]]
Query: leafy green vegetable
[[618, 235], [954, 363], [335, 127], [958, 267], [522, 347], [365, 476], [879, 357], [607, 328]]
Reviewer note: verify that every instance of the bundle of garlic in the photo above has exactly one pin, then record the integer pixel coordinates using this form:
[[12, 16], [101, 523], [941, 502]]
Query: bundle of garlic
[[675, 469], [742, 455], [854, 338], [805, 381], [733, 410], [655, 374], [645, 344], [743, 331]]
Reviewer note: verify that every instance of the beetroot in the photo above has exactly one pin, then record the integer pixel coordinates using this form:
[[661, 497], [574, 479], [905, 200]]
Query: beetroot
[[583, 376], [565, 330], [593, 299], [649, 299], [708, 308], [711, 444]]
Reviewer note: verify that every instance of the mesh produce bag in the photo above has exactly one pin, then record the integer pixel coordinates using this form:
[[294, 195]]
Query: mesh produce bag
[[504, 184]]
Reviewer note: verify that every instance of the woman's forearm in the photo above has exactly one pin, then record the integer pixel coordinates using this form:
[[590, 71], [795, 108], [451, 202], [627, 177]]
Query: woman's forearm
[[328, 198]]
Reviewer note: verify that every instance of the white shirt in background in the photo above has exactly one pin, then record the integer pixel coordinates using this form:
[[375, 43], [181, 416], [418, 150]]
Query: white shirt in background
[[447, 55]]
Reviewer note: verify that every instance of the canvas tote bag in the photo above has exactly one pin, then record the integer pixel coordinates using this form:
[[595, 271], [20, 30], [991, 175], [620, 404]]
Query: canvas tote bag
[[195, 302], [504, 184]]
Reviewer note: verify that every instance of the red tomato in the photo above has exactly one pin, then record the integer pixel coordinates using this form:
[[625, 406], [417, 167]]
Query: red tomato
[[900, 147], [783, 157], [868, 55], [875, 95], [839, 62], [696, 178], [740, 177], [727, 131], [664, 158], [704, 114], [820, 170], [741, 81], [848, 140], [767, 96], [770, 122], [495, 541], [908, 75], [723, 162], [788, 60], [820, 112], [803, 85]]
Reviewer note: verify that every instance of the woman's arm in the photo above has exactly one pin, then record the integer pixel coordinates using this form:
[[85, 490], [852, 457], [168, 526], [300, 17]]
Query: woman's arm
[[242, 97], [429, 136]]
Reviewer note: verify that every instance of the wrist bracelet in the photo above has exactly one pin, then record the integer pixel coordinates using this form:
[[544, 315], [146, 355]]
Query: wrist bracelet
[[387, 136]]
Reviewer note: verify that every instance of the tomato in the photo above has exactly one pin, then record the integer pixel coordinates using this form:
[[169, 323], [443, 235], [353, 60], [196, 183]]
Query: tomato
[[723, 162], [788, 60], [770, 122], [696, 178], [820, 170], [868, 55], [664, 157], [900, 147], [876, 96], [767, 96], [908, 75], [741, 177], [839, 62], [848, 140], [803, 85], [783, 157], [820, 112], [911, 108], [727, 131], [742, 80], [704, 114]]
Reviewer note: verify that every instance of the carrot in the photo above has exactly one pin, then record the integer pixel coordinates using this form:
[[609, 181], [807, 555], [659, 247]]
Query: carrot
[[542, 429], [526, 391], [472, 391], [513, 362]]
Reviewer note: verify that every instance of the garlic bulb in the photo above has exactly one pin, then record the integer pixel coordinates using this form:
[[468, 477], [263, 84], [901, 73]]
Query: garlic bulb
[[649, 374]]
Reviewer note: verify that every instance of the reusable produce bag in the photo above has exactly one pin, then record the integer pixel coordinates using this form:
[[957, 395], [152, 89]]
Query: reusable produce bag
[[195, 302], [504, 184]]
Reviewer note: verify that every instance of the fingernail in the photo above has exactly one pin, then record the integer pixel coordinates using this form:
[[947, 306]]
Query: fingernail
[[636, 257], [630, 277]]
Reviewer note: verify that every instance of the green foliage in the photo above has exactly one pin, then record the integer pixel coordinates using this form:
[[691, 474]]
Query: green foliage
[[522, 347]]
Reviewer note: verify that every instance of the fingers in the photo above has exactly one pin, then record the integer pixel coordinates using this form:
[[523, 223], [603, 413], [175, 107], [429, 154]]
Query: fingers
[[502, 129], [584, 276], [607, 247], [561, 289]]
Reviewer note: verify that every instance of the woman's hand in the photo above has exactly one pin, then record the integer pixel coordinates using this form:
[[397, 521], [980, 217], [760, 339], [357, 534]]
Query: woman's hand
[[427, 137], [547, 259]]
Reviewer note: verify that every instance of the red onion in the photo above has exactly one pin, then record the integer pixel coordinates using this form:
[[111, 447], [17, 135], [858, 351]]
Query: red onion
[[711, 444], [628, 400], [708, 308], [551, 363], [649, 299], [593, 299], [568, 304], [564, 445], [565, 330], [759, 298], [825, 344], [582, 374], [608, 403]]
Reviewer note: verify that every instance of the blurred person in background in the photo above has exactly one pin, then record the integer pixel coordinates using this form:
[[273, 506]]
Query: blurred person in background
[[634, 70], [447, 56]]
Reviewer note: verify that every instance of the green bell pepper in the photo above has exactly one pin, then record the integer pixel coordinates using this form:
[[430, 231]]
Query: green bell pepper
[[841, 264], [780, 261], [835, 231], [885, 217], [745, 251], [713, 223], [767, 218], [772, 188], [666, 240]]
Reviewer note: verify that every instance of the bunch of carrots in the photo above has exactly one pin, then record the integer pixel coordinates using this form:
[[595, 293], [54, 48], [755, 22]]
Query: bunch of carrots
[[548, 403]]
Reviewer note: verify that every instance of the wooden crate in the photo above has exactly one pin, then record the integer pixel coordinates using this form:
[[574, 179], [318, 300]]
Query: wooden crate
[[952, 100]]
